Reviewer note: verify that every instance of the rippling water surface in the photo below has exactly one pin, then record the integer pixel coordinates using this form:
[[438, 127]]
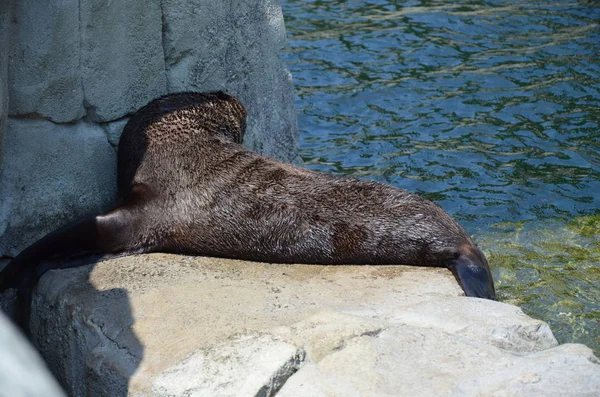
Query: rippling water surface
[[491, 109]]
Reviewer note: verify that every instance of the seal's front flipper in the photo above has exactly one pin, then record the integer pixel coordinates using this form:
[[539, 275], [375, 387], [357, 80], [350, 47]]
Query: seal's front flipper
[[473, 273]]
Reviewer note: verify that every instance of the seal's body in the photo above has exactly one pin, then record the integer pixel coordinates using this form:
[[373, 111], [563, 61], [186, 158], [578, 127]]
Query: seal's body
[[188, 186]]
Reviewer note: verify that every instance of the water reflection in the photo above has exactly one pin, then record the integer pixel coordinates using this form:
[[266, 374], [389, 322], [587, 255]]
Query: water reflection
[[492, 109]]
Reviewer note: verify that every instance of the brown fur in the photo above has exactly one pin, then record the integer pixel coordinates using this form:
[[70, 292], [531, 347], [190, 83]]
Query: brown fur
[[207, 194]]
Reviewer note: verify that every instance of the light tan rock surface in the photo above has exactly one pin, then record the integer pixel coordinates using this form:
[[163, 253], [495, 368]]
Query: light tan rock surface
[[167, 325]]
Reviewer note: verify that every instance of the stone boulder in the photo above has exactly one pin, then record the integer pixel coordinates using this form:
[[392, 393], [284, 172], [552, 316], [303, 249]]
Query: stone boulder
[[167, 325], [76, 69]]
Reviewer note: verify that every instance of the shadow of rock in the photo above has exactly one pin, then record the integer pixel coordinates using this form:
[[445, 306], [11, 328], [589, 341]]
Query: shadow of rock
[[88, 355]]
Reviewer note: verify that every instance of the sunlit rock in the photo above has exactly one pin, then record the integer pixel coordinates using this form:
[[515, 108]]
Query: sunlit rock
[[167, 325]]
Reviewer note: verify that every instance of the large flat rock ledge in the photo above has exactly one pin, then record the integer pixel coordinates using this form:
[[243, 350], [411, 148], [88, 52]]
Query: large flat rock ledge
[[167, 325]]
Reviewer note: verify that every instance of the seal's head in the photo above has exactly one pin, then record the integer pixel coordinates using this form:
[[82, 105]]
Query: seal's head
[[187, 116], [472, 271]]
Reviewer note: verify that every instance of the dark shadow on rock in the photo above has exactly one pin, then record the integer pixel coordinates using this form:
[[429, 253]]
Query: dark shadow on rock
[[84, 334]]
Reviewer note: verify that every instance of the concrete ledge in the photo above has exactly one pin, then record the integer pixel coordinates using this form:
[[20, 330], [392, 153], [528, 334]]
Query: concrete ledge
[[167, 325]]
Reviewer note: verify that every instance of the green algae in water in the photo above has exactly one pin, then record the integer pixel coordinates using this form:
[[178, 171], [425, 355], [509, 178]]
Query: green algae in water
[[587, 226], [552, 270]]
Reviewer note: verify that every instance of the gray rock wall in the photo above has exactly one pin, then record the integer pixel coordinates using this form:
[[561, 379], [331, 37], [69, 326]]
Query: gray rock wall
[[245, 62], [4, 22], [78, 68]]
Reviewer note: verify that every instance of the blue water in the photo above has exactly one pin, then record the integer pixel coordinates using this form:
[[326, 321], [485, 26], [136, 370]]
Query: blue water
[[491, 109]]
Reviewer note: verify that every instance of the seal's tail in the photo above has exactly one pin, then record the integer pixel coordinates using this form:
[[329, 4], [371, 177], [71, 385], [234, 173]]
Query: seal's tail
[[473, 273], [105, 234]]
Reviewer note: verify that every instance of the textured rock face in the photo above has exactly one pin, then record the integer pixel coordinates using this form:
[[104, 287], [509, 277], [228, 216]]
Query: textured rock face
[[44, 69], [166, 325], [122, 63], [4, 22], [244, 61], [412, 361], [22, 371], [85, 65], [52, 173]]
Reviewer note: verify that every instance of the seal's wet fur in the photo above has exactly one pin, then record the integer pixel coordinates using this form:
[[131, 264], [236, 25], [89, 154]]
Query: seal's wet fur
[[187, 185]]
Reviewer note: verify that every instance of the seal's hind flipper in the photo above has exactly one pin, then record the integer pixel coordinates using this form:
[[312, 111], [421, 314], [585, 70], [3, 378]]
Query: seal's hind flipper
[[471, 270], [102, 234]]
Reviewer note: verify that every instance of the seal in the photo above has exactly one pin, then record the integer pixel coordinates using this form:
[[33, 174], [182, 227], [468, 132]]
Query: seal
[[186, 185]]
